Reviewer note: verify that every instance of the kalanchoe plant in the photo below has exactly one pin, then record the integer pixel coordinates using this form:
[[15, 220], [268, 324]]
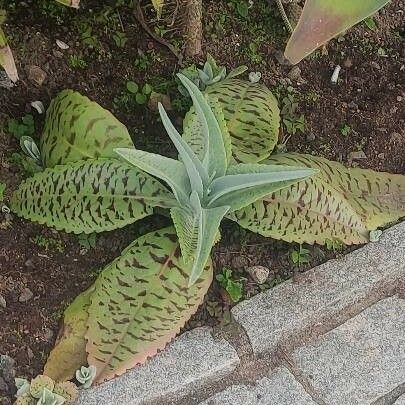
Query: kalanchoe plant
[[143, 298], [207, 188], [86, 375], [44, 391], [210, 74]]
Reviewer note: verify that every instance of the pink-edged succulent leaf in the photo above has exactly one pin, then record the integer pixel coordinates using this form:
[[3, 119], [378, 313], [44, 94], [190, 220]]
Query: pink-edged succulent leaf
[[70, 3], [321, 20], [140, 302], [7, 59], [69, 353]]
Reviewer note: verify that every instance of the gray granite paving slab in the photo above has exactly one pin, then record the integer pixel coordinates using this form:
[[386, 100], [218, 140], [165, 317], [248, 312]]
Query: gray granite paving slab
[[280, 388], [193, 359], [323, 292], [362, 359], [400, 400]]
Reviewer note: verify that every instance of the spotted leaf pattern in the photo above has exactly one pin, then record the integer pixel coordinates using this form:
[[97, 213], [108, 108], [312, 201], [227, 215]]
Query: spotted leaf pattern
[[69, 353], [90, 196], [77, 128], [140, 302], [252, 117], [336, 203]]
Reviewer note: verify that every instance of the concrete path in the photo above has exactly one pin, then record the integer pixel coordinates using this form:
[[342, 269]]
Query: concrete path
[[334, 336]]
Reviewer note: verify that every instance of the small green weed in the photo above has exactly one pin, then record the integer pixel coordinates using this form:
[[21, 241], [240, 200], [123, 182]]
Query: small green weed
[[87, 241], [300, 256], [293, 122], [334, 245], [48, 243], [120, 39], [370, 23], [133, 95], [346, 130], [26, 165], [23, 127], [76, 62], [234, 288], [2, 189]]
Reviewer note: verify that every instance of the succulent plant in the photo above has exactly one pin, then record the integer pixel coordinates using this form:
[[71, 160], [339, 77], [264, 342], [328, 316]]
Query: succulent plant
[[23, 386], [39, 383], [67, 390], [50, 398], [86, 375], [25, 399], [44, 391], [210, 74], [30, 148]]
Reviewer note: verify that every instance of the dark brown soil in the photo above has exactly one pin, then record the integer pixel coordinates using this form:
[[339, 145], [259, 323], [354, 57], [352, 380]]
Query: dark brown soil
[[369, 98]]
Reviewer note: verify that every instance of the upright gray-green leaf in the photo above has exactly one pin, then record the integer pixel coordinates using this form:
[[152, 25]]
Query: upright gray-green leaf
[[169, 170], [215, 159]]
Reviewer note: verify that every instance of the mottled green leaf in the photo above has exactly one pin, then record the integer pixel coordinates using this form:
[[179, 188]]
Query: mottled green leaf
[[69, 353], [141, 301], [337, 203], [90, 196], [78, 129], [321, 20], [252, 117]]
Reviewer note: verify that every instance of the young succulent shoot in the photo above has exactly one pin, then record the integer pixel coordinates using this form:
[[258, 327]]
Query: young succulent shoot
[[50, 398], [86, 375], [30, 148], [207, 189], [210, 74], [39, 384], [22, 385], [67, 390]]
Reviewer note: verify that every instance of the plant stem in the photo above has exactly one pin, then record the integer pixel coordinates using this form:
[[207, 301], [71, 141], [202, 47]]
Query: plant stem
[[192, 26], [284, 16]]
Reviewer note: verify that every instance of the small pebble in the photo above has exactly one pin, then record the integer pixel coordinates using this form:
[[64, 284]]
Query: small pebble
[[29, 264], [259, 274], [26, 295], [357, 155], [348, 63], [36, 75], [294, 73], [399, 98]]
